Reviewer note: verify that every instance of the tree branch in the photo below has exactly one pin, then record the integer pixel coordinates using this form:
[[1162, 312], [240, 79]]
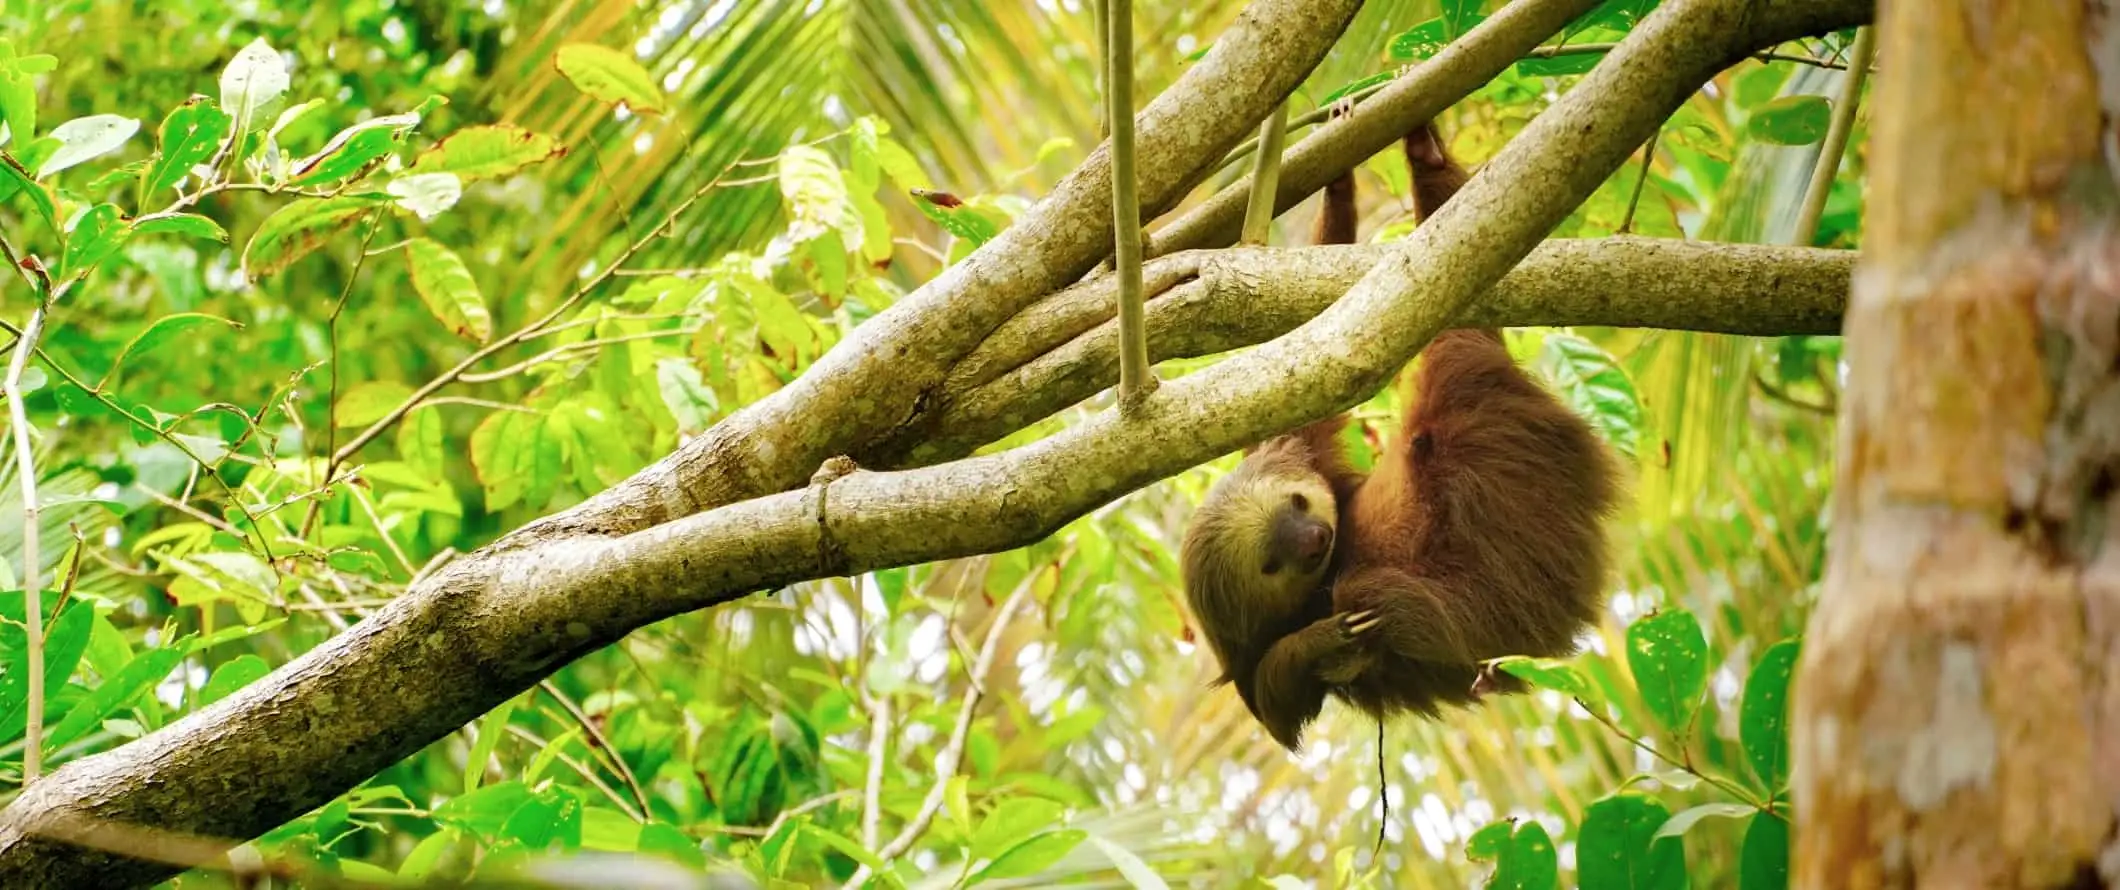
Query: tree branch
[[491, 624]]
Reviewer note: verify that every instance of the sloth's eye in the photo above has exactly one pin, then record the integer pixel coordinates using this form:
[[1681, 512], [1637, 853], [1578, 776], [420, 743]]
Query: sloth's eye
[[1272, 566], [1301, 503]]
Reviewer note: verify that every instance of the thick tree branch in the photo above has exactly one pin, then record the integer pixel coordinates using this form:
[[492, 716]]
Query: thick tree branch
[[1245, 297], [490, 625]]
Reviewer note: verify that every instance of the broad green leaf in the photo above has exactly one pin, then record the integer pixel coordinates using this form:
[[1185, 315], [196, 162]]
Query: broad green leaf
[[1353, 87], [1548, 673], [1669, 658], [189, 137], [164, 330], [420, 443], [1130, 866], [16, 180], [484, 811], [1522, 852], [668, 841], [87, 138], [232, 675], [116, 691], [1560, 65], [1031, 856], [499, 448], [428, 853], [353, 149], [239, 579], [957, 795], [1010, 823], [445, 284], [487, 151], [18, 91], [1763, 716], [843, 844], [610, 76], [426, 194], [490, 729], [1422, 41], [1792, 120], [972, 225], [297, 229], [1684, 821], [1617, 848], [1593, 383], [95, 236], [366, 403], [816, 197], [687, 396], [253, 80], [65, 638], [1763, 863], [190, 225]]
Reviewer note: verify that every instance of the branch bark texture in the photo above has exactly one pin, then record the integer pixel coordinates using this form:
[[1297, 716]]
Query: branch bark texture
[[491, 624]]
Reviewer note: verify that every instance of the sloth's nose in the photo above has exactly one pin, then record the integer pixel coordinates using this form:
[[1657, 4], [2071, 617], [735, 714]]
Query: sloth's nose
[[1313, 542]]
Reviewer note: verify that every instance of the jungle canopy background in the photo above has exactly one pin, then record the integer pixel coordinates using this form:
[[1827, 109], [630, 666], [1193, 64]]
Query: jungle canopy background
[[196, 392]]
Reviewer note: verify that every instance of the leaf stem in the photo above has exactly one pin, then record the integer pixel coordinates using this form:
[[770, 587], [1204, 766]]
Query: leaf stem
[[32, 586], [1829, 154]]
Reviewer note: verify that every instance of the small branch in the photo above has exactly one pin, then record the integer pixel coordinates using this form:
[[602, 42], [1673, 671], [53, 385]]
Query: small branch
[[879, 748], [1136, 381], [32, 587], [1829, 154], [1626, 225], [1720, 783], [568, 350], [1265, 179], [600, 742], [953, 753], [1579, 49]]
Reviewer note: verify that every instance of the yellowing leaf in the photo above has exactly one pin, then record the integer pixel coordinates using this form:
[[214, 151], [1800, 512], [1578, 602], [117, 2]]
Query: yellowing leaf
[[448, 289], [295, 230], [487, 152], [609, 75], [253, 80]]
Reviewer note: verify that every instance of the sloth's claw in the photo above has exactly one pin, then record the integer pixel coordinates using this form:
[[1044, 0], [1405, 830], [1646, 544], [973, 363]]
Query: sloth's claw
[[1358, 623]]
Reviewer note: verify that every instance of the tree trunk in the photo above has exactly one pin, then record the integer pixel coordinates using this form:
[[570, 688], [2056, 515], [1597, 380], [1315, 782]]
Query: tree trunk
[[1954, 724]]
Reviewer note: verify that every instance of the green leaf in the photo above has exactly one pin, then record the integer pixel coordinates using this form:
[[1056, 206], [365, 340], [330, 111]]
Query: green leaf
[[1763, 864], [817, 198], [957, 795], [1669, 658], [485, 811], [1561, 65], [65, 638], [232, 675], [164, 330], [96, 235], [844, 844], [366, 403], [1422, 41], [1031, 856], [428, 853], [190, 225], [353, 149], [18, 92], [1678, 825], [490, 729], [1595, 385], [1763, 715], [1522, 852], [189, 137], [1548, 673], [488, 151], [1010, 823], [1136, 872], [609, 76], [445, 284], [14, 179], [1792, 120], [117, 691], [1617, 847], [253, 80], [87, 138], [297, 229], [420, 442], [685, 394]]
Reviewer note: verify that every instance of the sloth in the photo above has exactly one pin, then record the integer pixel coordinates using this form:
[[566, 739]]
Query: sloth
[[1479, 532]]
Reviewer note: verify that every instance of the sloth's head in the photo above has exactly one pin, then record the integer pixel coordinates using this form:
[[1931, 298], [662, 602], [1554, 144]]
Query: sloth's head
[[1260, 545]]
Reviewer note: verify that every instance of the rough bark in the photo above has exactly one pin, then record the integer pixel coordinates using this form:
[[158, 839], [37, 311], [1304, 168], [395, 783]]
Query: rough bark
[[1959, 690], [494, 622]]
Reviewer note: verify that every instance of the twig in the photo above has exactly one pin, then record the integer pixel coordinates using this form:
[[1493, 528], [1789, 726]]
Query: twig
[[599, 741], [1265, 178], [1724, 785], [1829, 154], [1135, 379], [581, 769], [558, 352], [1648, 157], [32, 588], [1580, 49], [953, 752], [879, 748]]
